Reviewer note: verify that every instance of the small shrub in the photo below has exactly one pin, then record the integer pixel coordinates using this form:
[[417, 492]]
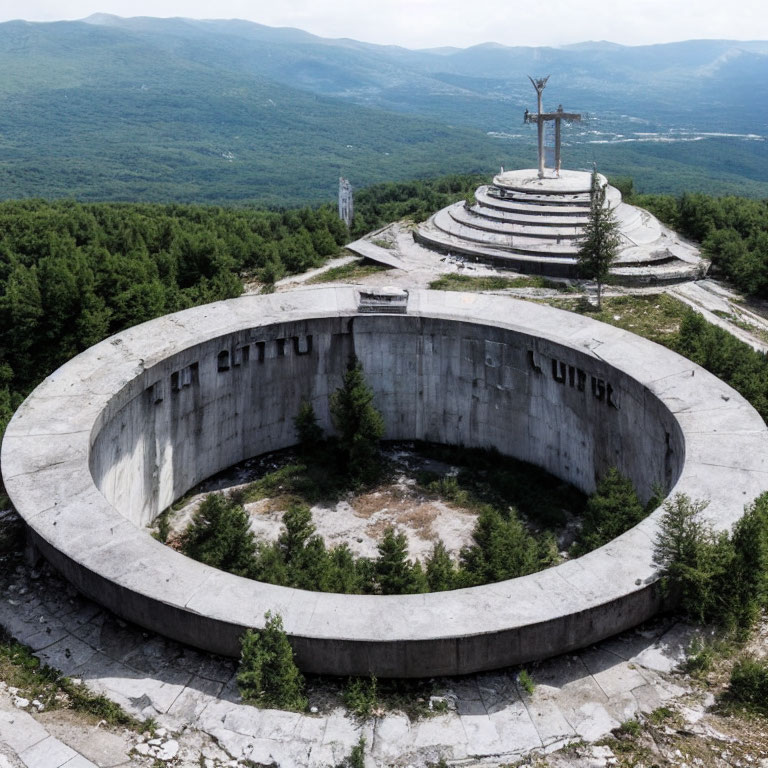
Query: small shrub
[[630, 728], [749, 684], [660, 714], [308, 431], [440, 570], [356, 758], [717, 578], [361, 696], [699, 657], [268, 675], [162, 526], [526, 682]]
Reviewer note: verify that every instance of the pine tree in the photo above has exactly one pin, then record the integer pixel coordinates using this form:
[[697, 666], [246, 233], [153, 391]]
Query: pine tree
[[309, 432], [358, 424], [440, 571], [220, 535], [395, 573], [502, 549], [268, 674], [611, 510], [600, 242]]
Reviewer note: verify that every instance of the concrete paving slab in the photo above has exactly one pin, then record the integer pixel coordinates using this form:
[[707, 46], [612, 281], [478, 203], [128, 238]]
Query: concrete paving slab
[[48, 753], [20, 731]]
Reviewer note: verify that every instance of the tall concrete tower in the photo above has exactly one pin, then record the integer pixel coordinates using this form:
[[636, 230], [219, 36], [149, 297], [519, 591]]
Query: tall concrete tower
[[346, 207]]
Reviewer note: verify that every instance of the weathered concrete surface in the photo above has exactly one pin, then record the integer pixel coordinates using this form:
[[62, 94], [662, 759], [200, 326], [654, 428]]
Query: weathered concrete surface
[[128, 426], [535, 225], [490, 719]]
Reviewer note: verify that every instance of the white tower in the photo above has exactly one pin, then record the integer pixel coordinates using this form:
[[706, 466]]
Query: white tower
[[346, 207]]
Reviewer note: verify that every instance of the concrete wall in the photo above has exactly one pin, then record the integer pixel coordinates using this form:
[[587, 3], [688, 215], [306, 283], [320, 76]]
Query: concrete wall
[[122, 429], [438, 380]]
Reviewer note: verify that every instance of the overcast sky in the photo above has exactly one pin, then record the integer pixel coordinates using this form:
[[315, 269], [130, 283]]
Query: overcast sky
[[428, 23]]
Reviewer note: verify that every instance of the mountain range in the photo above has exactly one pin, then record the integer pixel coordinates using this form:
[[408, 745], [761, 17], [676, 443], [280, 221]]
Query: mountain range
[[231, 111]]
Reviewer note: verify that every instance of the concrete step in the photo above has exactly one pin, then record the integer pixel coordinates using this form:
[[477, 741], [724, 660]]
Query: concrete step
[[470, 218], [515, 243]]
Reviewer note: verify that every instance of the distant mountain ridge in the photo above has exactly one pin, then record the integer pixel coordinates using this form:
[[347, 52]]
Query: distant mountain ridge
[[227, 110]]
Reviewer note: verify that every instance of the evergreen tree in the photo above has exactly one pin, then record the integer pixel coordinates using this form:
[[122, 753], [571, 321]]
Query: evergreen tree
[[344, 573], [268, 674], [219, 535], [395, 573], [308, 431], [600, 242], [440, 571], [358, 424], [502, 549], [747, 575], [611, 510], [691, 557]]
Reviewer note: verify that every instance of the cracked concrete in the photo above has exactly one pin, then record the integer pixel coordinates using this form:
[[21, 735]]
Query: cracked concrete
[[193, 695]]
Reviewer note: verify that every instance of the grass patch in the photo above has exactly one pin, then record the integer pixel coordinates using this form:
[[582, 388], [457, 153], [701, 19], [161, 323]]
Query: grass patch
[[526, 682], [19, 668], [486, 477], [456, 282], [369, 697], [347, 272], [655, 316]]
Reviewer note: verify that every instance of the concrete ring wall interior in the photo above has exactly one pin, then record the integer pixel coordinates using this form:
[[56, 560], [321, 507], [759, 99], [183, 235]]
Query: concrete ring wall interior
[[126, 427]]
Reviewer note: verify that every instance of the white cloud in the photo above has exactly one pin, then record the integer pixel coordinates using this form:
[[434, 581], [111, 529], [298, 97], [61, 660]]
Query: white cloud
[[426, 23]]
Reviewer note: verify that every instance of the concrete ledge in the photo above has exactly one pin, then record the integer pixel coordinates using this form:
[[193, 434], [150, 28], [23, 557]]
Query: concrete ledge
[[115, 435]]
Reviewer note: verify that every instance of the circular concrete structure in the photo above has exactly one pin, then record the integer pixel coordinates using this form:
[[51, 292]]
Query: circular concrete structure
[[122, 430], [533, 225]]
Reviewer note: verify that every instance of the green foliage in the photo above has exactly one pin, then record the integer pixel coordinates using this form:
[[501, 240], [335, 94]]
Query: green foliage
[[599, 245], [733, 232], [268, 675], [381, 204], [358, 424], [308, 431], [749, 684], [625, 185], [610, 511], [502, 549], [526, 682], [460, 282], [356, 758], [487, 478], [71, 273], [440, 570], [162, 526], [21, 669], [716, 577], [395, 574], [699, 657], [361, 696], [630, 728], [219, 535], [732, 360]]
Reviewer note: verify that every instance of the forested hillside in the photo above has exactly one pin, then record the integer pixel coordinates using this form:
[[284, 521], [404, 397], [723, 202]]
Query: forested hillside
[[733, 232], [236, 113], [72, 274]]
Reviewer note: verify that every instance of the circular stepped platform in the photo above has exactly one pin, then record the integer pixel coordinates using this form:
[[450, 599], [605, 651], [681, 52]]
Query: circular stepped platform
[[476, 219], [484, 197], [535, 226]]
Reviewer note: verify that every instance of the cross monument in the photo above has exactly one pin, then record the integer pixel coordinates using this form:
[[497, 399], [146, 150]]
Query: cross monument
[[540, 117]]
